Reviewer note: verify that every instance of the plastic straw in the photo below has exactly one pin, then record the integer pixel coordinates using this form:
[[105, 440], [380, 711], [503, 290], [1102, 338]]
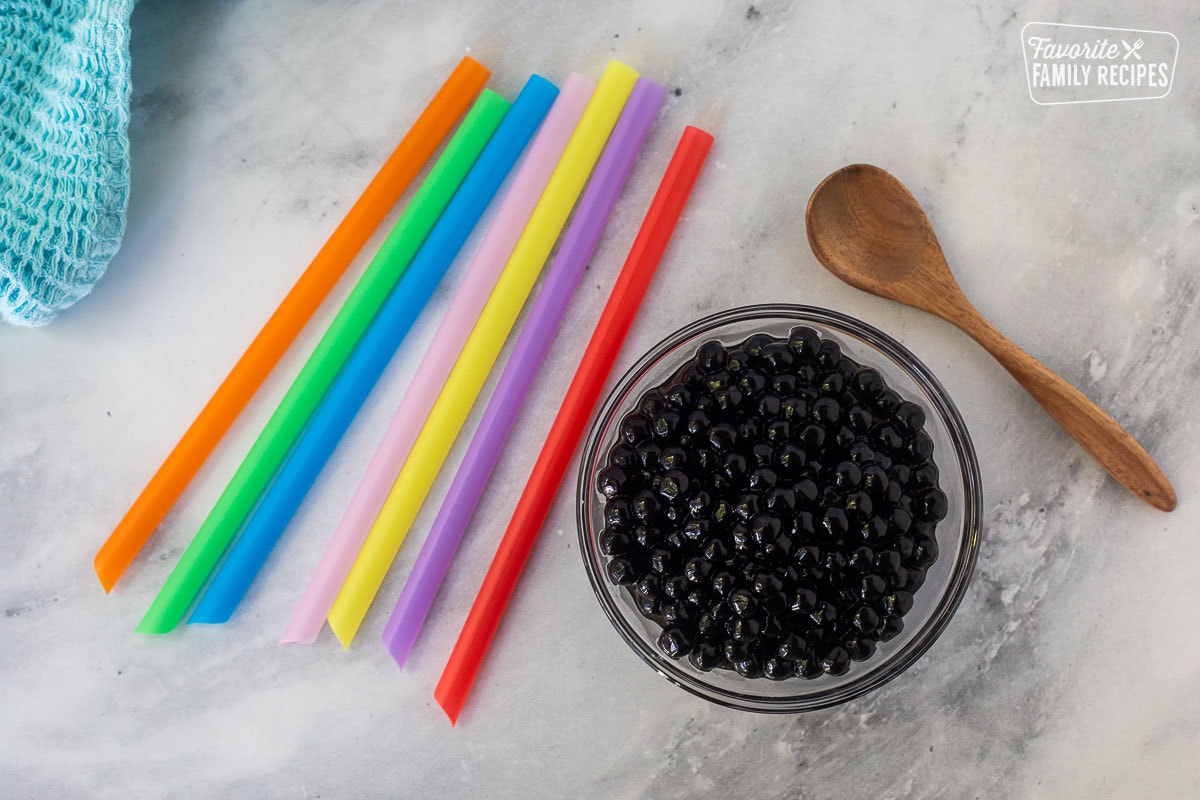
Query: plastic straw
[[569, 424], [370, 358], [480, 352], [281, 430], [297, 307], [520, 198], [538, 332]]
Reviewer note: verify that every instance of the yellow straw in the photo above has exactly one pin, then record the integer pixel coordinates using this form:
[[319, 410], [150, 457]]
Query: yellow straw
[[480, 352]]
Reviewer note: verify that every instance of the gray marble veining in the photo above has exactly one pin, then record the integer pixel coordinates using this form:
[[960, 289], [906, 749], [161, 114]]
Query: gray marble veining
[[1070, 669]]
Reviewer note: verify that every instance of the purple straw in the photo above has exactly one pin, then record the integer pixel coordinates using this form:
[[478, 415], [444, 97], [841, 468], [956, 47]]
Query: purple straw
[[530, 350]]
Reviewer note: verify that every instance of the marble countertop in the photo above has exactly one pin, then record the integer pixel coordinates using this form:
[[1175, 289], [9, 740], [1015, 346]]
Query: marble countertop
[[1071, 668]]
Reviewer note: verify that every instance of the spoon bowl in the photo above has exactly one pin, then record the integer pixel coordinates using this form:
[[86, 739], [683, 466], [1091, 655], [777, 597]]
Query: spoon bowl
[[866, 228]]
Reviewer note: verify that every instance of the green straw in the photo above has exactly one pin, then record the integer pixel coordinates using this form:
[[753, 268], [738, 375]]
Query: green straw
[[289, 419]]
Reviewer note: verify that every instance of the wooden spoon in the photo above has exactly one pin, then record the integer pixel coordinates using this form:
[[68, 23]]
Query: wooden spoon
[[868, 230]]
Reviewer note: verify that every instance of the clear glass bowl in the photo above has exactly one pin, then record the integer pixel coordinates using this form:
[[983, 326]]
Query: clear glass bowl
[[957, 534]]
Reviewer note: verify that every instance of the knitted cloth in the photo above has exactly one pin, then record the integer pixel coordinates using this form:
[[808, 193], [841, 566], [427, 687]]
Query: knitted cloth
[[64, 150]]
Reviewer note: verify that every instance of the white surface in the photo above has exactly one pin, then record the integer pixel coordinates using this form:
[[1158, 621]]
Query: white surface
[[1071, 669]]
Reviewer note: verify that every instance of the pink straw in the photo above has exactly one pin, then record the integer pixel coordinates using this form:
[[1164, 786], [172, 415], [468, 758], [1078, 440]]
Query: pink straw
[[309, 615]]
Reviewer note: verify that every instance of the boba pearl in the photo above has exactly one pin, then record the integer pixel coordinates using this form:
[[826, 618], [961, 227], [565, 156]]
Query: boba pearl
[[772, 507]]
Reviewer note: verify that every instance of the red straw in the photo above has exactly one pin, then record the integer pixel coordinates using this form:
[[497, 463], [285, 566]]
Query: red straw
[[569, 425]]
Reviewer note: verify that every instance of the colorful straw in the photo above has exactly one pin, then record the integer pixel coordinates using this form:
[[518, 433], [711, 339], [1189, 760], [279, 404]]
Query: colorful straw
[[370, 358], [569, 424], [520, 199], [272, 445], [480, 352], [306, 295], [538, 332]]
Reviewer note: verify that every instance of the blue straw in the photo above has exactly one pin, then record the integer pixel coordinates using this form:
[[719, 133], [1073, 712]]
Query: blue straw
[[370, 358]]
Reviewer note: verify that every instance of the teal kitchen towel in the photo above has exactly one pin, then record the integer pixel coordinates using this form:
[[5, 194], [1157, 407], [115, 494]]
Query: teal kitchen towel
[[64, 150]]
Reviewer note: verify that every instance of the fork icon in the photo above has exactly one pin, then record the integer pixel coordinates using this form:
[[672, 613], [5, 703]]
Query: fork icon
[[1132, 50]]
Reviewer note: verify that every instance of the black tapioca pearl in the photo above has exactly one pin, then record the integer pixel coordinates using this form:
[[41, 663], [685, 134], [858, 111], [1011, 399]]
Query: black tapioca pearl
[[780, 499], [875, 480], [734, 651], [749, 431], [674, 586], [645, 506], [704, 460], [887, 437], [919, 447], [791, 458], [695, 530], [746, 506], [897, 603], [860, 648], [765, 527], [614, 542], [925, 553], [704, 657], [914, 579], [763, 479], [621, 571], [769, 406], [932, 504], [623, 455], [663, 561], [826, 411], [724, 583], [847, 475], [791, 646], [675, 485], [767, 584], [755, 343], [866, 619], [836, 661], [652, 402], [784, 384], [874, 529], [809, 666], [715, 550], [886, 401], [811, 436], [834, 561], [612, 480], [804, 600], [926, 475], [698, 422], [752, 383], [832, 384], [710, 356], [674, 457], [829, 355], [900, 520], [793, 409], [743, 629], [649, 454], [665, 424], [867, 383], [859, 504], [700, 504], [716, 381], [698, 570], [777, 669], [648, 584], [723, 437], [648, 537], [762, 454], [737, 361], [677, 612], [676, 541], [674, 642], [739, 535], [908, 417], [617, 512], [635, 429], [872, 587], [778, 433], [824, 614], [742, 602], [648, 605], [835, 522], [806, 491], [722, 512], [698, 596], [777, 356], [862, 559], [890, 628], [748, 667], [860, 419], [887, 562], [904, 545], [804, 342]]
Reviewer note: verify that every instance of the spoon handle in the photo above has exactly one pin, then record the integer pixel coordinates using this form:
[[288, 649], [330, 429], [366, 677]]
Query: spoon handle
[[1097, 432]]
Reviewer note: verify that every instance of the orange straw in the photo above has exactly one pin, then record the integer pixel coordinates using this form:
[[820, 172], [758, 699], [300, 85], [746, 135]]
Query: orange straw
[[381, 194], [568, 427]]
